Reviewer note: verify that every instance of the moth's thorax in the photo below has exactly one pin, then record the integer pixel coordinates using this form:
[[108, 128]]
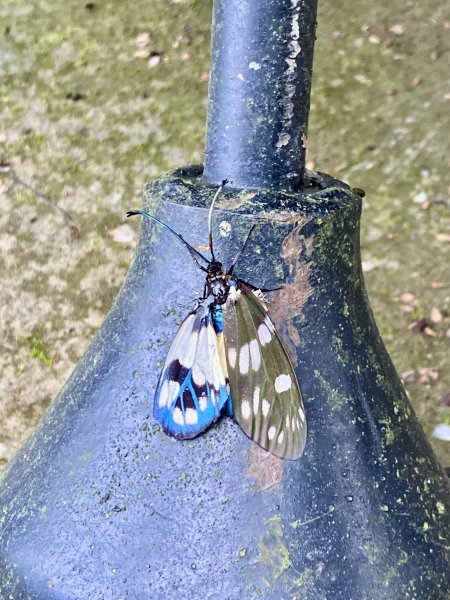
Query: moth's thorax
[[217, 284]]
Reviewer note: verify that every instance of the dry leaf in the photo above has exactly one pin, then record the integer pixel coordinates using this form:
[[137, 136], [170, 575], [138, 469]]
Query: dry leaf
[[367, 266], [144, 53], [407, 297], [437, 285], [408, 376], [425, 205], [416, 81], [154, 59], [406, 308], [398, 29], [443, 237], [429, 331], [420, 326], [436, 315], [427, 374], [442, 432], [124, 234], [142, 40], [420, 197]]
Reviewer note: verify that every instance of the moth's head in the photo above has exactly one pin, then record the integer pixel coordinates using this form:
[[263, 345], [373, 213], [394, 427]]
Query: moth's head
[[215, 268]]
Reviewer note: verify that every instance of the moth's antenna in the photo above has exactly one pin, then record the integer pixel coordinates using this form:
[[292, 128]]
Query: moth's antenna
[[210, 214], [193, 252], [241, 250]]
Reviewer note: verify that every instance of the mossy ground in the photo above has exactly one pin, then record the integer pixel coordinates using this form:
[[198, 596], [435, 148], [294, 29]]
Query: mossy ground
[[85, 123]]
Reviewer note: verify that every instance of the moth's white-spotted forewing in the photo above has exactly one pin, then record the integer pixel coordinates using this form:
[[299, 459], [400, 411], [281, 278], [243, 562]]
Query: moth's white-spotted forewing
[[266, 397], [192, 389]]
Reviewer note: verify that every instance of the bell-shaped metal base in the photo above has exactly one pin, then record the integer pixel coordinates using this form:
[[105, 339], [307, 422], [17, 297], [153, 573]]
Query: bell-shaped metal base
[[100, 504]]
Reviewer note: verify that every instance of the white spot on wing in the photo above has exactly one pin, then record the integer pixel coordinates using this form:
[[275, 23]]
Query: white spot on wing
[[283, 383], [271, 433], [288, 422], [255, 355], [163, 394], [281, 437], [264, 334], [302, 414], [168, 393], [186, 354], [256, 400], [198, 376], [203, 402], [265, 407], [191, 416], [269, 324], [245, 409], [244, 359], [232, 357], [178, 416]]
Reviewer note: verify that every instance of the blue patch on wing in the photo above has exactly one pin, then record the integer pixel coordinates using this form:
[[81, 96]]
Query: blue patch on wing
[[188, 400], [217, 318]]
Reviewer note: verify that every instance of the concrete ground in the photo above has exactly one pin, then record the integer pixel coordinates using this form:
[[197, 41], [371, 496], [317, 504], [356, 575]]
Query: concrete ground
[[98, 97]]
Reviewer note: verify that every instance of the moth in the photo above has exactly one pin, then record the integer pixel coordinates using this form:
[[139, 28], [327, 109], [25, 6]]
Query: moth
[[228, 359]]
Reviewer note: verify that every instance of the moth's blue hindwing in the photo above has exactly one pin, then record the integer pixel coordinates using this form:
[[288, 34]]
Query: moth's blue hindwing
[[192, 388]]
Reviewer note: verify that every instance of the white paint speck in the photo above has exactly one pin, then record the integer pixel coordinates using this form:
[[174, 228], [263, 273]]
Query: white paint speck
[[283, 140], [224, 228], [255, 66]]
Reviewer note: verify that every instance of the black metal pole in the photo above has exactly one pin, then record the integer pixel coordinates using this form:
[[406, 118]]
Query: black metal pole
[[261, 67]]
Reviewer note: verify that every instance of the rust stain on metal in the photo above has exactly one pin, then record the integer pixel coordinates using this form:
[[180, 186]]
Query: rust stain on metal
[[288, 302], [234, 202], [265, 468]]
